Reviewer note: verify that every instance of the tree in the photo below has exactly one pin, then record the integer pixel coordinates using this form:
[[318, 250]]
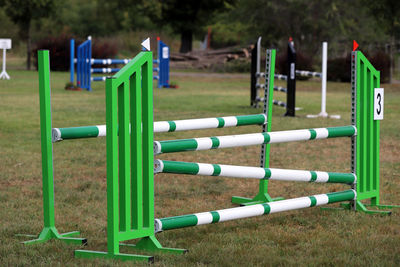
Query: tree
[[187, 17], [387, 15], [22, 13]]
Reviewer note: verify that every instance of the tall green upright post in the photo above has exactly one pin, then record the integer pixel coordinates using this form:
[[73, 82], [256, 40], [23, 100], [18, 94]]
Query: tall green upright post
[[263, 195], [365, 145], [49, 231], [130, 162]]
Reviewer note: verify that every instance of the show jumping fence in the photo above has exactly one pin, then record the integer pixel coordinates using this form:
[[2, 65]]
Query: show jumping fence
[[84, 63], [290, 89], [131, 165]]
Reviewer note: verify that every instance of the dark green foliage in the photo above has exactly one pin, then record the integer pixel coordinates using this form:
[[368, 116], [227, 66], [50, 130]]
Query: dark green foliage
[[339, 69], [381, 62], [188, 17], [60, 50], [22, 13]]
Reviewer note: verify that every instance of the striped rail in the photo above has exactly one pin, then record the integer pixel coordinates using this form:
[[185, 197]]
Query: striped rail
[[306, 73], [178, 167], [59, 134], [252, 210], [206, 143]]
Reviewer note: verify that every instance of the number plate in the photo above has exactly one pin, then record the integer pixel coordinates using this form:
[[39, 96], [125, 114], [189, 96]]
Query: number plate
[[378, 104]]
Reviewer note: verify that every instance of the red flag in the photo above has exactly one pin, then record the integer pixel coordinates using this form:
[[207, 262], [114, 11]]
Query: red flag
[[355, 45]]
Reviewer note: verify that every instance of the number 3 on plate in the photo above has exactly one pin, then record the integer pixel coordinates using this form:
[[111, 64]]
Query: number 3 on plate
[[378, 104]]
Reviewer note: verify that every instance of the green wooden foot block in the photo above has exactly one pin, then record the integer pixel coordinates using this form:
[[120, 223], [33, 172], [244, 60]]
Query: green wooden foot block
[[383, 206], [49, 233], [152, 244], [89, 254], [361, 207], [252, 201]]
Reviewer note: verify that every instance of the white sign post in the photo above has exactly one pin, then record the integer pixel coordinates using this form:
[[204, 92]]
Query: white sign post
[[378, 104], [4, 44]]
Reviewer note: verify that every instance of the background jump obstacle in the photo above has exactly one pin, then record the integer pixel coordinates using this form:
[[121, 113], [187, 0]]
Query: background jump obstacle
[[84, 62], [4, 44], [130, 159], [290, 89]]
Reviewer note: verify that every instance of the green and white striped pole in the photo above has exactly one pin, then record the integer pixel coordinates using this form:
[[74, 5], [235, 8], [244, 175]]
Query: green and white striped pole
[[252, 210], [206, 143], [59, 134], [178, 167]]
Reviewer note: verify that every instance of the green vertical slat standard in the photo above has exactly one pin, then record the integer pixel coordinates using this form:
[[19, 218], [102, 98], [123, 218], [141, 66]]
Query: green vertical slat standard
[[367, 160], [124, 157], [45, 134], [148, 157], [136, 148], [112, 168]]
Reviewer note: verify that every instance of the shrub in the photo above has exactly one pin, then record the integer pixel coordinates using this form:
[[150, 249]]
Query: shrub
[[381, 62], [339, 68], [60, 50]]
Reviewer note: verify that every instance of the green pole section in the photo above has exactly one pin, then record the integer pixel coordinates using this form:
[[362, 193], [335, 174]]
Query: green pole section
[[45, 134], [210, 217], [49, 231]]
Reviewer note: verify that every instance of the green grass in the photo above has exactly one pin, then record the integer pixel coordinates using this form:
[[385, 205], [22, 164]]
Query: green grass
[[304, 237]]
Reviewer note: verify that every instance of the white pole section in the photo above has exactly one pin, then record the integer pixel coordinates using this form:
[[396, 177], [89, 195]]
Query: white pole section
[[323, 112]]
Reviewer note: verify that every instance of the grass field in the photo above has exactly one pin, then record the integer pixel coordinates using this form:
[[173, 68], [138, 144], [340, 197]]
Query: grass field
[[305, 237]]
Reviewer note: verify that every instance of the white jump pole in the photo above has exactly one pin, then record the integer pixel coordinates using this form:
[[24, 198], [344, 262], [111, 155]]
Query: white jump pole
[[323, 112], [4, 44]]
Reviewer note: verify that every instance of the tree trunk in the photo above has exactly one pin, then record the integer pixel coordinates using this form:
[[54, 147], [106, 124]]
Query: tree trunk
[[186, 41], [392, 49], [28, 47]]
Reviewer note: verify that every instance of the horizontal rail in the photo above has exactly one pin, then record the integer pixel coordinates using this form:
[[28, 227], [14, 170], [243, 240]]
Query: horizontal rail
[[109, 61], [280, 89], [104, 70], [179, 167], [206, 143], [276, 88], [59, 134], [280, 77], [279, 103], [252, 210], [307, 73], [99, 79], [277, 76]]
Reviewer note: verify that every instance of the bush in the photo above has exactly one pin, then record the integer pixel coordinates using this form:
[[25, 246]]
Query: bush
[[60, 50], [381, 62], [339, 68]]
